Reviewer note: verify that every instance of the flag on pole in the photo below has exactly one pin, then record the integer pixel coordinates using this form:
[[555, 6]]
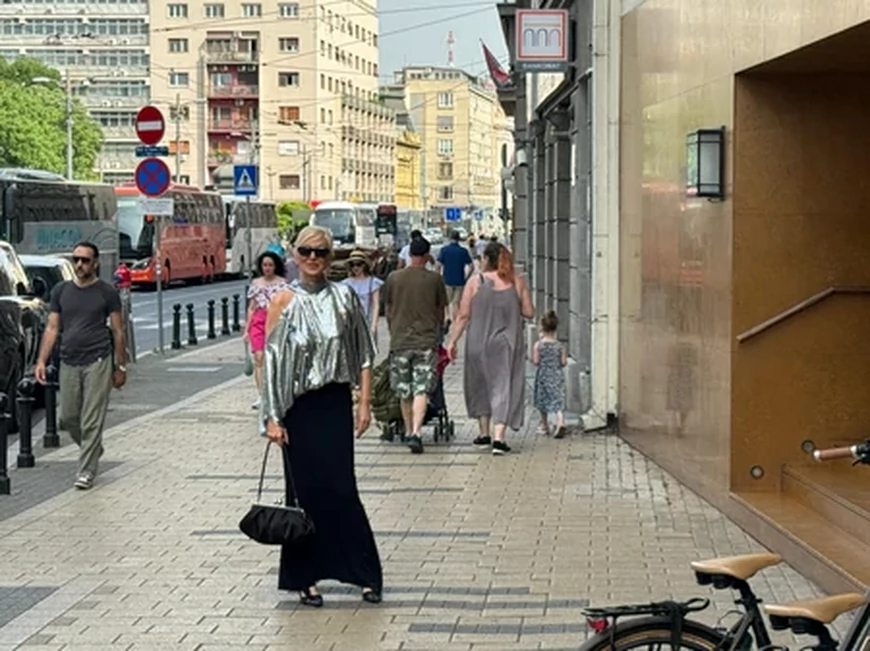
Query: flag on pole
[[500, 77]]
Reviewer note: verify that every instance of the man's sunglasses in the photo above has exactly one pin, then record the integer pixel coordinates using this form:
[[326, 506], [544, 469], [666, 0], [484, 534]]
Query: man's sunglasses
[[307, 251], [77, 258]]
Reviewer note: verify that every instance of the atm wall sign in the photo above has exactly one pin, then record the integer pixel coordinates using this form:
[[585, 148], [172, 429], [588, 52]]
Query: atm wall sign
[[542, 40]]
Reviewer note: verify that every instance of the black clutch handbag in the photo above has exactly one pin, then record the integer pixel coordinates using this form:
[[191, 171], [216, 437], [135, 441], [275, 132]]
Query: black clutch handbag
[[276, 524]]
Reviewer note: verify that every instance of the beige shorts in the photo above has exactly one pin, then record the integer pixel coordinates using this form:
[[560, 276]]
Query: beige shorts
[[454, 293]]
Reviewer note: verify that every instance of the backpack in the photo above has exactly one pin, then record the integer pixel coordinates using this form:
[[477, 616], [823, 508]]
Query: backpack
[[386, 407]]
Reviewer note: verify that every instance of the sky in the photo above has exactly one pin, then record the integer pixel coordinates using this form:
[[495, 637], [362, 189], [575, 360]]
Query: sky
[[414, 32]]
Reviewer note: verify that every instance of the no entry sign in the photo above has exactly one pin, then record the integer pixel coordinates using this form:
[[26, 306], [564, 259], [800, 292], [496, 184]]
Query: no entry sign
[[150, 126]]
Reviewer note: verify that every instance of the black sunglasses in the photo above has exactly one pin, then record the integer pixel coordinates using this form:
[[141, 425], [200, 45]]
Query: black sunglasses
[[306, 251], [78, 258]]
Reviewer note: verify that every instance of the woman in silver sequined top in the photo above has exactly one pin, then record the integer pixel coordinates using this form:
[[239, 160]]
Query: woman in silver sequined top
[[319, 347]]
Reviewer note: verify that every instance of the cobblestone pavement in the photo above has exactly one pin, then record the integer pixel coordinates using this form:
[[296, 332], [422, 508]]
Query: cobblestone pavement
[[479, 552]]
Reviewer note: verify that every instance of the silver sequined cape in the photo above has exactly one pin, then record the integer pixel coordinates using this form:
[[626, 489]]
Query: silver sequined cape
[[322, 337]]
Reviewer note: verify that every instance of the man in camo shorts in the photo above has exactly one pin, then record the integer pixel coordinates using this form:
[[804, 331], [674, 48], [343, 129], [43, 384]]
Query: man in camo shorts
[[415, 299]]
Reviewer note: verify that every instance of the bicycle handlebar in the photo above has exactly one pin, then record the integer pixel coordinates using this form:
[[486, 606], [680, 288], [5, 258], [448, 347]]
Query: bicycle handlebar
[[860, 452]]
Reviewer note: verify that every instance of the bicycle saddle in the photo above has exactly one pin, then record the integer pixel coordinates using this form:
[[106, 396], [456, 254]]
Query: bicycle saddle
[[824, 610], [737, 567]]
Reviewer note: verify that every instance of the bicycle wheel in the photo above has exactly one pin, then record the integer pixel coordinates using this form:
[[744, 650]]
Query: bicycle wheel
[[654, 633]]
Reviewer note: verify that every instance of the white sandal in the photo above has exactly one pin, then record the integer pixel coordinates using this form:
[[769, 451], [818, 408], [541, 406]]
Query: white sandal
[[543, 430]]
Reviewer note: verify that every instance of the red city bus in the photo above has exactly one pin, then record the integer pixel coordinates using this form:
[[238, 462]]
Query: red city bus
[[192, 242]]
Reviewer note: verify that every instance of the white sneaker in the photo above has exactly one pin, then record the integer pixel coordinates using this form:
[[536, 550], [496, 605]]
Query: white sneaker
[[84, 481], [255, 404]]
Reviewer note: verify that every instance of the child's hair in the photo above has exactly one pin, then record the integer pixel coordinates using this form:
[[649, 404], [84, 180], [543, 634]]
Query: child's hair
[[550, 322]]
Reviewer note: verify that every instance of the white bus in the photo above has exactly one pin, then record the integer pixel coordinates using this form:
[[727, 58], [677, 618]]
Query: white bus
[[258, 218], [351, 225]]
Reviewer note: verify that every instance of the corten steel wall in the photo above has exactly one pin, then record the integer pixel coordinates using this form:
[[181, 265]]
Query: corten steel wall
[[677, 328]]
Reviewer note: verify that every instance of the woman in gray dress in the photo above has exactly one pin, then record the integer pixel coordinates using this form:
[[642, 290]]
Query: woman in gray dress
[[493, 306]]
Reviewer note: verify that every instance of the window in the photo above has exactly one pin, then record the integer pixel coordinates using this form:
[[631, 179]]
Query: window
[[288, 182], [252, 10], [213, 11], [322, 182], [288, 78], [445, 171], [330, 116], [179, 79], [288, 44], [177, 10], [329, 84], [375, 40], [445, 100], [323, 48], [288, 147], [445, 147], [445, 123], [183, 147], [288, 9], [288, 113], [322, 82], [445, 193], [178, 45], [323, 115]]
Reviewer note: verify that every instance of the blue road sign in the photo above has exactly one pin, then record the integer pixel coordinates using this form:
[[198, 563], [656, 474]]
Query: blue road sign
[[245, 180], [453, 214], [153, 177], [143, 151]]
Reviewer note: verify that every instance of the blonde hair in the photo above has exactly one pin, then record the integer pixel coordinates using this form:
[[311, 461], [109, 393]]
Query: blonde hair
[[315, 234]]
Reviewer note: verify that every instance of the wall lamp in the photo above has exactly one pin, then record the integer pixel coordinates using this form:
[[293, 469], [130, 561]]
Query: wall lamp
[[705, 164]]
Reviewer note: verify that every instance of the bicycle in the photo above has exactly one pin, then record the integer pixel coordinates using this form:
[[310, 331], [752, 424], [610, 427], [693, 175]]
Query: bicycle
[[658, 624]]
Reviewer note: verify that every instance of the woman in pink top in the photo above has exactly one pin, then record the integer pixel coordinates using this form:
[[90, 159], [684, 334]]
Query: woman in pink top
[[260, 293]]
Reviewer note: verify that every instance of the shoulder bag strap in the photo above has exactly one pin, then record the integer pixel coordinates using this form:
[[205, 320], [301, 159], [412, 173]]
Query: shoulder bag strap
[[292, 497]]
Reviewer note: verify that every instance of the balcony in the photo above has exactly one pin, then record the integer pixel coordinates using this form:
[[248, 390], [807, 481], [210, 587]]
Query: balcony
[[230, 56], [120, 133], [217, 157], [234, 91], [226, 126], [104, 102], [87, 9]]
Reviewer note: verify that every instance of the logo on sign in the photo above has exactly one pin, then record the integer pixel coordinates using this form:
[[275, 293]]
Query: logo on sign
[[542, 36]]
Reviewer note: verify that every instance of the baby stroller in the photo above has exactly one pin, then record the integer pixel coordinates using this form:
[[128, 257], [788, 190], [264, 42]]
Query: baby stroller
[[386, 408], [436, 410]]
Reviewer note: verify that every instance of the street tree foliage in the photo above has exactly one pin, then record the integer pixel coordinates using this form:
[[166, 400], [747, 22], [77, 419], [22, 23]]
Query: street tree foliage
[[293, 216], [33, 121]]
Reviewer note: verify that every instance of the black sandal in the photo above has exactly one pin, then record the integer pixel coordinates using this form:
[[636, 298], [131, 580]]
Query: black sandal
[[371, 596], [307, 598]]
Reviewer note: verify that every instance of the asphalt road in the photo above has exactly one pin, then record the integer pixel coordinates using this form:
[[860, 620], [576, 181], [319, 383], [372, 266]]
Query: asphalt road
[[145, 313]]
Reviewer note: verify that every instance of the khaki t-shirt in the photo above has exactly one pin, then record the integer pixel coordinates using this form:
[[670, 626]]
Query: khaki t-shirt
[[415, 300]]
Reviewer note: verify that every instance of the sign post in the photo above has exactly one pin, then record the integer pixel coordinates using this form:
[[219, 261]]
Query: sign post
[[245, 185], [153, 179]]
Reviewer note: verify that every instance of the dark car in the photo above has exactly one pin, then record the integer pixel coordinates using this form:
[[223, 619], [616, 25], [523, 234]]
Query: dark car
[[52, 270], [23, 317]]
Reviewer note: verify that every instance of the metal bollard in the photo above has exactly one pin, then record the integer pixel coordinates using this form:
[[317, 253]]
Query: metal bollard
[[25, 423], [51, 439], [225, 316], [211, 333], [5, 487], [176, 326], [237, 327], [191, 326]]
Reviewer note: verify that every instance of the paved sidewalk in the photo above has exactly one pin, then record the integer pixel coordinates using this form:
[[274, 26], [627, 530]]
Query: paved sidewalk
[[479, 552]]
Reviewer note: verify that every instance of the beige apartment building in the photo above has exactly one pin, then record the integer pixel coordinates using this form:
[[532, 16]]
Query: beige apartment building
[[460, 125], [290, 86], [101, 46]]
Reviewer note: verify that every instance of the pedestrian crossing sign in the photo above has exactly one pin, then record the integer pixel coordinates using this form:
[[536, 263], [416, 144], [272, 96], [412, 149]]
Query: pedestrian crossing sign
[[245, 180]]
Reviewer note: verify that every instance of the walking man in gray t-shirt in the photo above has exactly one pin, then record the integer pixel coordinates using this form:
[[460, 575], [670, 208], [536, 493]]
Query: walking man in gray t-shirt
[[88, 369]]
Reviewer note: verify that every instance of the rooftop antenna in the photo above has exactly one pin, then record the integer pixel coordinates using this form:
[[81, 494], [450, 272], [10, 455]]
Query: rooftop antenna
[[450, 43]]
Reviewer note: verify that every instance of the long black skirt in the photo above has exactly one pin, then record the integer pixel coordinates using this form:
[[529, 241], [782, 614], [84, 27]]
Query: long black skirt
[[320, 454]]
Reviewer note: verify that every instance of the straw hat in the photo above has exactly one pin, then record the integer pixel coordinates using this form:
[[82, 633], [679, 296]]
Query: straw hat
[[358, 256]]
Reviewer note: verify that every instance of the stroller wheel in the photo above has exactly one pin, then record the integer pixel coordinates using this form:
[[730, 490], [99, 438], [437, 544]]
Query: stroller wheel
[[451, 430], [436, 432]]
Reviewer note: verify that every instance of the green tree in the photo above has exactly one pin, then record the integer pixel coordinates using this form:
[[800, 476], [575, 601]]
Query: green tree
[[292, 217], [33, 115]]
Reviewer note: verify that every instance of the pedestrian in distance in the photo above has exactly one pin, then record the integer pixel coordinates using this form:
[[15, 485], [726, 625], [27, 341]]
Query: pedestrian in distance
[[366, 286], [270, 267], [550, 358], [92, 355], [494, 304], [416, 301], [405, 253], [455, 264], [319, 348]]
